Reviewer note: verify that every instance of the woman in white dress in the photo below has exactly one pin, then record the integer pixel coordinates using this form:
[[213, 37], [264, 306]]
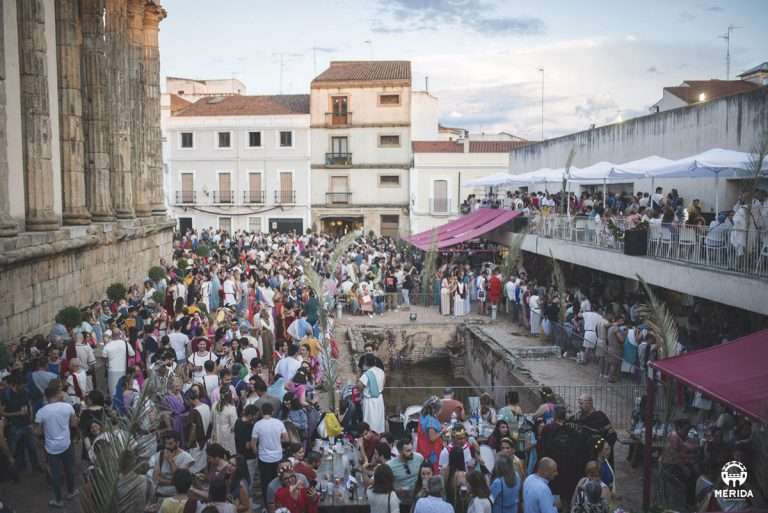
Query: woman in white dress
[[224, 418], [445, 296], [459, 297], [371, 384], [533, 304]]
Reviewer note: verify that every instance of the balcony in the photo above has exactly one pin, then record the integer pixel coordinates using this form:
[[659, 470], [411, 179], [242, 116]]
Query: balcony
[[338, 159], [186, 197], [338, 198], [285, 197], [223, 196], [440, 206], [253, 197], [338, 119]]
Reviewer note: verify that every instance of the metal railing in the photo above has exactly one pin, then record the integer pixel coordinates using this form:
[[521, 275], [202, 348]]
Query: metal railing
[[719, 247], [253, 196], [285, 196], [338, 118], [338, 198], [223, 196], [440, 206], [338, 159], [186, 197]]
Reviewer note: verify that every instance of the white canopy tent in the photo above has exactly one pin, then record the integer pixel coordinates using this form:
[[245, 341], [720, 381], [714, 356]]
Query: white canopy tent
[[607, 172], [711, 163], [495, 180]]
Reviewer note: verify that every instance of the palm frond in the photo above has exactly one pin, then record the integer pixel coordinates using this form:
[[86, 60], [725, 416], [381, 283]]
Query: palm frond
[[660, 321], [566, 176], [108, 489], [342, 246], [430, 267]]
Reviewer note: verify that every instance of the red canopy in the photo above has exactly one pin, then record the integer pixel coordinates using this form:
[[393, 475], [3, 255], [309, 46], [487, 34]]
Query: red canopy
[[734, 373], [465, 228]]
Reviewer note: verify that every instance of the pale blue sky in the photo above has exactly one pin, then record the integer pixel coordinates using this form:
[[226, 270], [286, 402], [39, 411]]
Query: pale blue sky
[[601, 58]]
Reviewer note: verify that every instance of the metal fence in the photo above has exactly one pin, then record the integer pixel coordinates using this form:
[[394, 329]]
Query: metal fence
[[618, 401], [720, 247]]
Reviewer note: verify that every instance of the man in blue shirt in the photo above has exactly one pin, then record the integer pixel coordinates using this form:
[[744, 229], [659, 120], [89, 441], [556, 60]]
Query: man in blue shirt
[[537, 497]]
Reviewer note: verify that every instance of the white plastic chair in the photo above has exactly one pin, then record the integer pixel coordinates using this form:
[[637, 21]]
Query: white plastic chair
[[686, 242], [665, 240]]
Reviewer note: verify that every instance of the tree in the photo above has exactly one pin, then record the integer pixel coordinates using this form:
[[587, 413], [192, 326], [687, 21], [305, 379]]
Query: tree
[[70, 317], [564, 199], [116, 292], [326, 302]]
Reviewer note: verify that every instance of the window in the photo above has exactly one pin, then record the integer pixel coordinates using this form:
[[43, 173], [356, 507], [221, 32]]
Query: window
[[286, 139], [225, 223], [389, 180], [389, 99], [286, 194], [254, 139], [225, 188], [187, 188], [390, 226], [255, 192], [187, 140], [254, 224], [224, 139], [389, 141], [440, 202]]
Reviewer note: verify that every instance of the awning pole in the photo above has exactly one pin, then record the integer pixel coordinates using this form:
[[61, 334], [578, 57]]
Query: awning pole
[[650, 400], [605, 193], [717, 193]]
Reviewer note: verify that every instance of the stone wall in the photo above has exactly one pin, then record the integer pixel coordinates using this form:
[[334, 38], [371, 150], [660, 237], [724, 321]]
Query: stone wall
[[42, 272], [403, 344]]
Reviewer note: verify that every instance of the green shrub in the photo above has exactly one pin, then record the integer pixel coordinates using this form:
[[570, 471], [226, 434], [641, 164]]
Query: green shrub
[[203, 251], [158, 297], [116, 292], [156, 273], [70, 316]]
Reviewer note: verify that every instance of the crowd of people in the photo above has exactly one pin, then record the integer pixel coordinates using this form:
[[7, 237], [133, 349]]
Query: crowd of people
[[226, 345]]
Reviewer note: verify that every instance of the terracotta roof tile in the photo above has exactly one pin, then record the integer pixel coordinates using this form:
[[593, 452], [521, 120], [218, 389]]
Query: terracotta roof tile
[[178, 103], [341, 71], [437, 147], [711, 88], [242, 105], [494, 146], [474, 146]]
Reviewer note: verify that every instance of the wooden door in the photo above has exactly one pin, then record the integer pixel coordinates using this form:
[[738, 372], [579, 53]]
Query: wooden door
[[339, 110], [286, 188], [339, 189], [255, 191], [225, 188], [187, 187], [440, 196]]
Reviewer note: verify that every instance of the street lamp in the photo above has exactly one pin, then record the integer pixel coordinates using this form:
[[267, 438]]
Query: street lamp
[[542, 103]]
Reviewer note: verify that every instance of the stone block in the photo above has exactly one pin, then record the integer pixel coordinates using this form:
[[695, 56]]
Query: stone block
[[23, 299]]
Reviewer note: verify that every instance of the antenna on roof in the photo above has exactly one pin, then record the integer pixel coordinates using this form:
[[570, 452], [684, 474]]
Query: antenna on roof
[[727, 37], [283, 56]]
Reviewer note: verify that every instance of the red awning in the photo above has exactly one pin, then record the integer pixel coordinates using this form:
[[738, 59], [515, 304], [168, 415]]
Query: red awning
[[465, 228], [734, 373]]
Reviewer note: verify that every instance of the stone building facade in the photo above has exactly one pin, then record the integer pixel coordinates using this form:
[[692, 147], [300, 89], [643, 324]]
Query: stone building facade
[[81, 183]]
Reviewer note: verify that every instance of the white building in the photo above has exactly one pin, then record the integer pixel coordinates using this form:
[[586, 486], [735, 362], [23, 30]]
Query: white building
[[440, 170], [361, 147], [240, 162]]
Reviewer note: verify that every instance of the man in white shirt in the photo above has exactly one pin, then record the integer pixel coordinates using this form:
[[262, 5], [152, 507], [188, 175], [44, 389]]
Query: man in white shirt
[[55, 420], [268, 435], [592, 322], [253, 349], [509, 293], [180, 344], [164, 463], [288, 366], [116, 352]]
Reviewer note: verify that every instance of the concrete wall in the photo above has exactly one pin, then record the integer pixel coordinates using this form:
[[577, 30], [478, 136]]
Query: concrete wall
[[733, 123], [425, 113], [731, 289], [40, 273]]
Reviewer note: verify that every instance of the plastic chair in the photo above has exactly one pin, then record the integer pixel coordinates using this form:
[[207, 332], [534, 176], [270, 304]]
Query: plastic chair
[[686, 242]]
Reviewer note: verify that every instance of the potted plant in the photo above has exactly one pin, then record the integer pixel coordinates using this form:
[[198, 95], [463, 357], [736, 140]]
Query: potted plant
[[636, 240], [116, 292], [156, 274], [70, 317]]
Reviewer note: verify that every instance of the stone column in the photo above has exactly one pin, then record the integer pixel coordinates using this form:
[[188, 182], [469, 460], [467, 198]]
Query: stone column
[[8, 226], [119, 109], [153, 15], [141, 199], [35, 117], [69, 43], [94, 73]]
